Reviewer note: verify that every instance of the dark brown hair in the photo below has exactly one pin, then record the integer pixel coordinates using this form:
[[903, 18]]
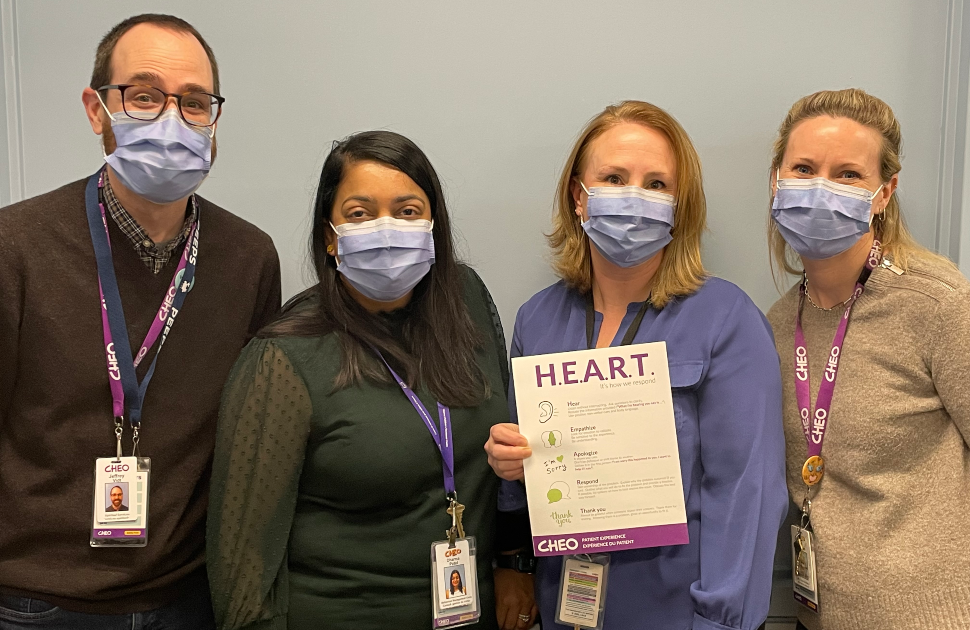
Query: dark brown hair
[[436, 341], [102, 58]]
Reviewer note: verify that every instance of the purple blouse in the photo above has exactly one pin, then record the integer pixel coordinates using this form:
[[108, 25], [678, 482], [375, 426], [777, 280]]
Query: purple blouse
[[726, 383]]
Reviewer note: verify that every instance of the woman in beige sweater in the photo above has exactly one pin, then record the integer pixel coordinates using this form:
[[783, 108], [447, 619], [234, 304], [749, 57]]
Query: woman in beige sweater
[[874, 341]]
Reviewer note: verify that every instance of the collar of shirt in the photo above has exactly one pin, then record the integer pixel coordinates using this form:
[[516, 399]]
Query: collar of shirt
[[154, 256]]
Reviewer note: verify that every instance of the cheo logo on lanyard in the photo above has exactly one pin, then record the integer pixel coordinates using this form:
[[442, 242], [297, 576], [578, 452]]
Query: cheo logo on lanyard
[[121, 484], [814, 425]]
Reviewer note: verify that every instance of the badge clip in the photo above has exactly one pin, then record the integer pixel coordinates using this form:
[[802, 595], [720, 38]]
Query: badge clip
[[119, 431]]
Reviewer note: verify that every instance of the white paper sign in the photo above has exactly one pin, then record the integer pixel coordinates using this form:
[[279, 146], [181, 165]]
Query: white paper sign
[[605, 470]]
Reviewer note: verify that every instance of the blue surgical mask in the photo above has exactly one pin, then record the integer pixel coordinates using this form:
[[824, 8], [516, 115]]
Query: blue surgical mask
[[628, 224], [819, 218], [162, 160], [385, 258]]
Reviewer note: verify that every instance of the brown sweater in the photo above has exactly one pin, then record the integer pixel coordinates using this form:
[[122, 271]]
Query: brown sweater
[[891, 513], [55, 403]]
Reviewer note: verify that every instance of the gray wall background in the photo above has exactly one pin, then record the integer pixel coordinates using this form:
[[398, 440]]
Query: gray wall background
[[496, 92]]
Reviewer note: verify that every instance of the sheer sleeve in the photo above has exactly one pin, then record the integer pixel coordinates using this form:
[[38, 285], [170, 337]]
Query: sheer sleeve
[[260, 446], [499, 334]]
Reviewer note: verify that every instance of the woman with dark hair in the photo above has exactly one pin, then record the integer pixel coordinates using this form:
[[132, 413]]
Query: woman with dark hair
[[455, 587], [330, 484]]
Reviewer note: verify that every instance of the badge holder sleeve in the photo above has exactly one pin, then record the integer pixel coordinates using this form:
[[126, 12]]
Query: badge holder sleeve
[[804, 568], [582, 591], [132, 474], [444, 558]]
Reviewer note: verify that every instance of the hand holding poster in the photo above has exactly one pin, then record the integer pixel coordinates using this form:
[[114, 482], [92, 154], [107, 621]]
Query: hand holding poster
[[605, 470]]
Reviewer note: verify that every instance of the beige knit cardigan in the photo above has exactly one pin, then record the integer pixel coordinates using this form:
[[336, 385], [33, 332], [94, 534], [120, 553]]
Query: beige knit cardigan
[[892, 515]]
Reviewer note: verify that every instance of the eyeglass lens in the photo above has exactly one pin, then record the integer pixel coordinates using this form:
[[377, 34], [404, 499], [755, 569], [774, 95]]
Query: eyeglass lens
[[146, 103]]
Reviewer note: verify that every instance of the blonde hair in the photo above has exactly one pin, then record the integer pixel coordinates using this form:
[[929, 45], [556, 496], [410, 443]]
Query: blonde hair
[[869, 111], [681, 271]]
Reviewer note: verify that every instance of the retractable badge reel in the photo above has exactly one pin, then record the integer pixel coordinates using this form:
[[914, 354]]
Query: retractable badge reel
[[814, 427], [582, 591]]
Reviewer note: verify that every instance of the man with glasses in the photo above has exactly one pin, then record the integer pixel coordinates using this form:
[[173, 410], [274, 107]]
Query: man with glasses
[[125, 299]]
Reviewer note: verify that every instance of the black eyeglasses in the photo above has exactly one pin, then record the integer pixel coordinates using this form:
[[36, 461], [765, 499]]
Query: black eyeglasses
[[144, 102]]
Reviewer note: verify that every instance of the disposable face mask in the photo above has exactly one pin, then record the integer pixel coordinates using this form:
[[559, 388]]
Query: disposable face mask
[[385, 258], [820, 218], [162, 160], [628, 224]]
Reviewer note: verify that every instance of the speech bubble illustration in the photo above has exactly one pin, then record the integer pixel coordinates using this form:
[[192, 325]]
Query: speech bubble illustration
[[557, 492]]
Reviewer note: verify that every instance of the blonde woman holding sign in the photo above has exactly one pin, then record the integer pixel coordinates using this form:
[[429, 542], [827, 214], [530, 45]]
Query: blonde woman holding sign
[[626, 239]]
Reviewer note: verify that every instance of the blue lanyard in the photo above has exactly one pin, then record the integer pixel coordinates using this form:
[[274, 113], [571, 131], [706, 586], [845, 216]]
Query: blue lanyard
[[121, 363], [443, 438]]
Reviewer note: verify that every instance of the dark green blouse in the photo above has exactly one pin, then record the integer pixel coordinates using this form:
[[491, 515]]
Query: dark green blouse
[[325, 503]]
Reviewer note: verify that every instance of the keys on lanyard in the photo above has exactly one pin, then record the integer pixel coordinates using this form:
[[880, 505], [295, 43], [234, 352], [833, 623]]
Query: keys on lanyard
[[454, 566], [126, 392]]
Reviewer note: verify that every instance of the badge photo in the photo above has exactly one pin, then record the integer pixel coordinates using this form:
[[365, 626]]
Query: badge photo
[[115, 509], [454, 576]]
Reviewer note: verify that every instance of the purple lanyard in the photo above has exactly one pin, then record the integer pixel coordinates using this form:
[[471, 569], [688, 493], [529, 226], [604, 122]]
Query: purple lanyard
[[814, 429], [443, 439], [121, 377]]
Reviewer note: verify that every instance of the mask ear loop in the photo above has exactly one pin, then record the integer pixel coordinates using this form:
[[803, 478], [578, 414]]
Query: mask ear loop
[[872, 199], [332, 249], [777, 182], [104, 154], [103, 106], [586, 190]]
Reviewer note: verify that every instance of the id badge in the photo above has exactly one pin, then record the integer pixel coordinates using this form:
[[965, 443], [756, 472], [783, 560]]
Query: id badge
[[120, 502], [582, 591], [454, 579], [804, 576]]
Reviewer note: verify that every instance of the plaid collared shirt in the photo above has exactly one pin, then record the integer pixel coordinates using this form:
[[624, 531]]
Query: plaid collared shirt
[[156, 257]]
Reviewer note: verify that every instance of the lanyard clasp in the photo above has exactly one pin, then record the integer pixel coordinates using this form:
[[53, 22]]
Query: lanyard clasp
[[119, 431]]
